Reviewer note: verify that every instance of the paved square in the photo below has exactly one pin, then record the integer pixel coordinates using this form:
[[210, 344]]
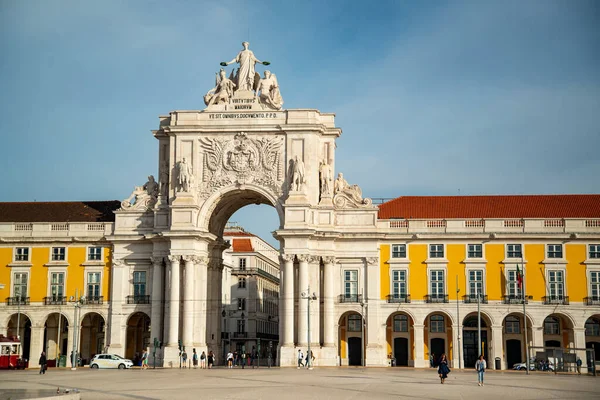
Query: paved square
[[290, 383]]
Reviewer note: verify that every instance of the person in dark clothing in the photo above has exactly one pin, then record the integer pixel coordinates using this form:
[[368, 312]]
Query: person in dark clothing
[[443, 369], [43, 363]]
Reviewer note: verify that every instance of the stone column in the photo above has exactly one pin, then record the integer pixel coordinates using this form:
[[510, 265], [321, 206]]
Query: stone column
[[455, 329], [119, 289], [214, 290], [497, 347], [157, 299], [188, 302], [286, 308], [419, 347], [37, 345], [330, 326], [302, 303], [201, 304], [579, 343], [315, 309], [174, 267]]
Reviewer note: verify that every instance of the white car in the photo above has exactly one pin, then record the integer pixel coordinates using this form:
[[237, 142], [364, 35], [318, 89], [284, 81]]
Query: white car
[[110, 361], [521, 366]]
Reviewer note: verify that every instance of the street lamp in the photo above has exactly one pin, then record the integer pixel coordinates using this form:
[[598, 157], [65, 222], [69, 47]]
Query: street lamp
[[77, 303], [308, 297], [363, 305], [224, 314]]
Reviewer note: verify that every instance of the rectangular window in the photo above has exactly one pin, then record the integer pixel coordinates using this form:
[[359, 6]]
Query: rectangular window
[[242, 283], [57, 285], [398, 251], [436, 251], [20, 285], [514, 251], [22, 254], [58, 254], [241, 325], [476, 282], [94, 253], [354, 323], [437, 323], [556, 284], [437, 284], [351, 283], [555, 251], [139, 283], [400, 323], [241, 304], [242, 264], [399, 284], [475, 251], [512, 325], [594, 251], [93, 285], [512, 285], [595, 284]]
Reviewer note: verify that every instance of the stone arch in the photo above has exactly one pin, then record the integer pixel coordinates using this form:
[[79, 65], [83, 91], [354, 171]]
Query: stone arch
[[92, 337], [489, 320], [471, 349], [26, 323], [400, 338], [56, 336], [564, 316], [350, 338], [44, 319], [558, 330], [137, 335], [436, 341], [10, 316]]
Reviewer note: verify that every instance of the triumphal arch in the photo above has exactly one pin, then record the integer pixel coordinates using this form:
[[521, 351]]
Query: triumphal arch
[[242, 148]]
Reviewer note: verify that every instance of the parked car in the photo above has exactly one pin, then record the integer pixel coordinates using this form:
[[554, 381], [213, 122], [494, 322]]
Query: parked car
[[521, 366], [110, 361]]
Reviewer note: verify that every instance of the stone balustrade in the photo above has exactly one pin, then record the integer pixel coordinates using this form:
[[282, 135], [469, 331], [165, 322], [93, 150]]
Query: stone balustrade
[[55, 229]]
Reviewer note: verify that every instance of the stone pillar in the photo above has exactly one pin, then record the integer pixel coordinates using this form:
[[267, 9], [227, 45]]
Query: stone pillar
[[287, 303], [119, 289], [201, 304], [157, 299], [315, 320], [330, 325], [538, 336], [37, 345], [188, 302], [173, 299], [455, 329], [302, 303], [497, 347], [579, 343], [214, 290], [419, 347]]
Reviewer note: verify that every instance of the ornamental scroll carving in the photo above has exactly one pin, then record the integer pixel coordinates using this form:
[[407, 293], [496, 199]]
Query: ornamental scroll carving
[[287, 257], [348, 196], [371, 260], [174, 258], [240, 161], [328, 260], [304, 257]]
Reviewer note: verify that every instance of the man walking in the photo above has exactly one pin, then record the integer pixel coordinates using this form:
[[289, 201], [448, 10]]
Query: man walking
[[300, 358], [43, 363]]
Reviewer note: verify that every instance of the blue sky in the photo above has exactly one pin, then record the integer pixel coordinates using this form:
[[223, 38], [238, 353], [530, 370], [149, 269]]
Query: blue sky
[[434, 97]]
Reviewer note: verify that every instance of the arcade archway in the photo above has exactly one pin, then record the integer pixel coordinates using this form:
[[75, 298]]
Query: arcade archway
[[400, 339], [92, 337], [438, 335], [138, 335], [471, 348], [351, 343], [24, 332], [56, 337], [513, 337]]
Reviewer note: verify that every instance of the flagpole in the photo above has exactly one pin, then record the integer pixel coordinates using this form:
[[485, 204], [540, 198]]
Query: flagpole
[[525, 317]]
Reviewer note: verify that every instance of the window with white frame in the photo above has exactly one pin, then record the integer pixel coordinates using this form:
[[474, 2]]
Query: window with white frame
[[551, 326], [512, 324], [139, 283], [242, 264], [399, 284], [57, 285], [354, 322], [350, 283], [93, 285], [476, 282], [514, 251], [436, 323], [22, 254], [242, 283], [512, 285], [20, 285], [241, 304], [436, 251], [555, 251], [437, 283], [400, 323], [241, 325], [595, 285], [556, 284], [94, 253], [474, 251], [58, 254], [398, 251], [594, 251]]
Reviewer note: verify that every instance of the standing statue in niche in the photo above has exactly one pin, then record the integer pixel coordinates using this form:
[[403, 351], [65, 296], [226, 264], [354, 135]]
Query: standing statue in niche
[[325, 178], [184, 176], [164, 179], [246, 74], [297, 180], [222, 92], [269, 91]]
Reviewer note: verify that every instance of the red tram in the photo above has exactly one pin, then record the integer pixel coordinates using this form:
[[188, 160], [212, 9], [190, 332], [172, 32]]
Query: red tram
[[10, 353]]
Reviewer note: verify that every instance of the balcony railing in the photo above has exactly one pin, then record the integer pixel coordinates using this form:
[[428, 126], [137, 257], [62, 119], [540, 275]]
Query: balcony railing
[[592, 301], [436, 298], [564, 300], [514, 299], [138, 299], [55, 300], [17, 301], [472, 298], [350, 298], [240, 335], [398, 298], [94, 300]]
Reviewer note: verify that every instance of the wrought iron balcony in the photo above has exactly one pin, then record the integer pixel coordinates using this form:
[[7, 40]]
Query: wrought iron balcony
[[564, 300], [398, 298], [436, 298], [94, 300], [472, 298], [350, 298], [138, 299], [515, 299], [17, 301], [240, 335], [55, 300], [592, 301]]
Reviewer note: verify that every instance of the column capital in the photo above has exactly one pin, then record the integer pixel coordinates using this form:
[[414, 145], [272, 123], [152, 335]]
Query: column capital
[[303, 257], [189, 258], [156, 260], [313, 259], [174, 258], [287, 257], [328, 259], [371, 260], [118, 263], [201, 260]]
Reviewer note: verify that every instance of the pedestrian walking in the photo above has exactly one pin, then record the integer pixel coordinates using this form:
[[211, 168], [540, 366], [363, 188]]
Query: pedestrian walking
[[243, 359], [184, 358], [431, 360], [307, 359], [579, 366], [230, 360], [195, 358], [443, 369], [145, 360], [211, 359], [480, 367], [203, 360], [300, 358], [43, 363]]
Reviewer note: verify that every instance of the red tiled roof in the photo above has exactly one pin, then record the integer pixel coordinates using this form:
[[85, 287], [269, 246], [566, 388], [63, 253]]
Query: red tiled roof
[[237, 233], [515, 206], [59, 211], [242, 245]]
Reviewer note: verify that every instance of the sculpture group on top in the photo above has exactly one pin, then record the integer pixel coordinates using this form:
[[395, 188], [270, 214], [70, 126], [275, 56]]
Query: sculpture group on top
[[245, 83], [143, 197], [348, 196]]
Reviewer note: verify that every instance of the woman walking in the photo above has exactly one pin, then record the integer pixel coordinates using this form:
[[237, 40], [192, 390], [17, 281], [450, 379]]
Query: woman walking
[[195, 358], [203, 360], [480, 367], [443, 369], [211, 359]]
